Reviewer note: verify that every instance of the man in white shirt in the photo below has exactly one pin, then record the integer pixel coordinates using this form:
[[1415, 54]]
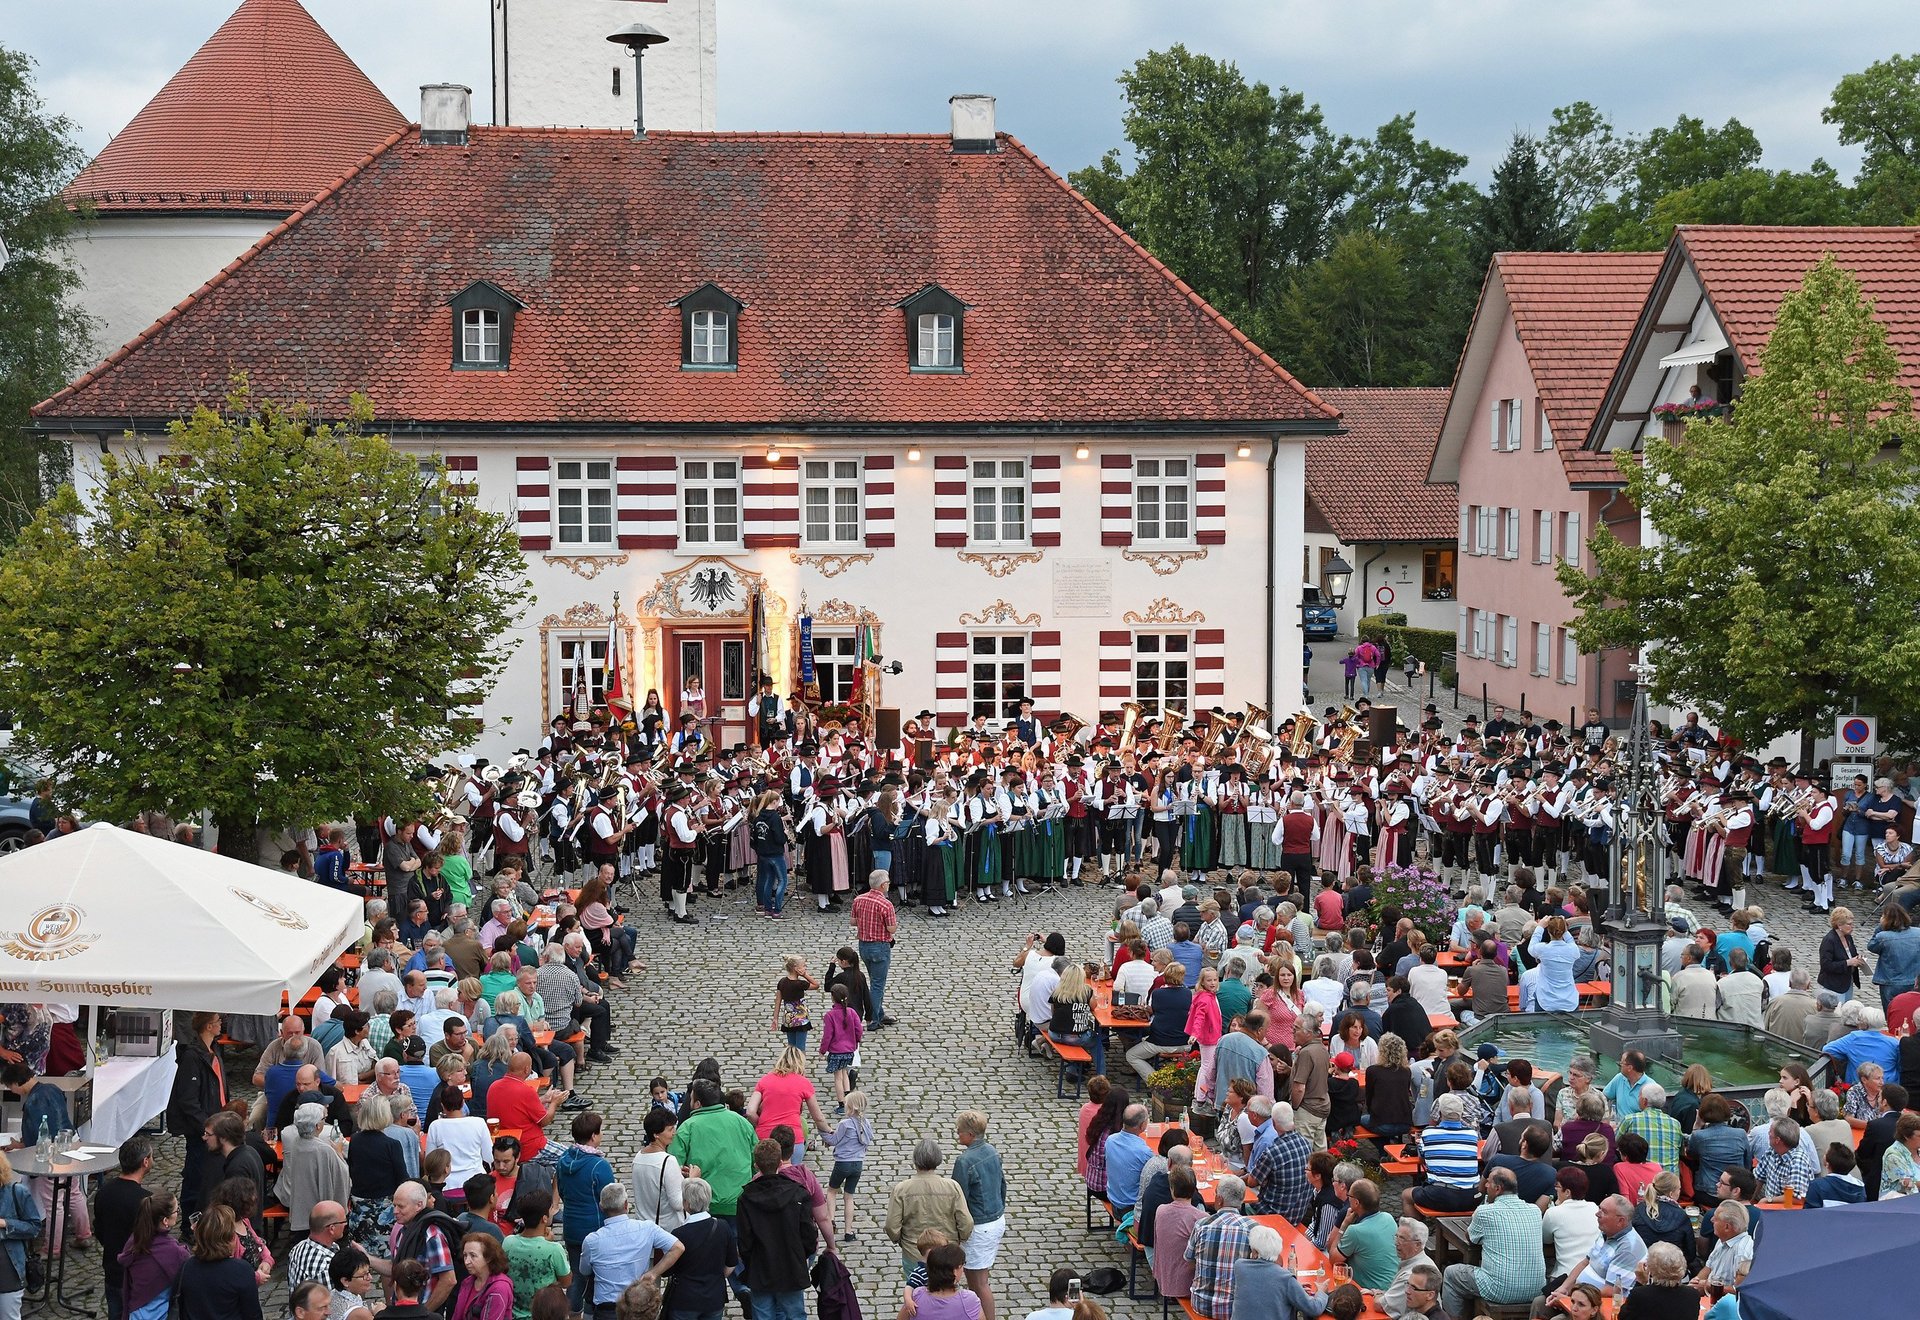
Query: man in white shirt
[[1058, 1306]]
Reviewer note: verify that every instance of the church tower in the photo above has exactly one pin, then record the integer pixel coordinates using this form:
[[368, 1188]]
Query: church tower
[[554, 67]]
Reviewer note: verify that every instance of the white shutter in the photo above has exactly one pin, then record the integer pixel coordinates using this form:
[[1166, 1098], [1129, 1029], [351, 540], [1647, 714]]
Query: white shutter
[[1513, 425], [1466, 516], [1464, 635], [1513, 534], [1573, 538], [1493, 425], [1543, 547], [1510, 642], [1546, 430], [1569, 657], [1542, 648]]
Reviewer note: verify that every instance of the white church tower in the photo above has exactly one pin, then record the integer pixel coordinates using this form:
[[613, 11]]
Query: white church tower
[[554, 67]]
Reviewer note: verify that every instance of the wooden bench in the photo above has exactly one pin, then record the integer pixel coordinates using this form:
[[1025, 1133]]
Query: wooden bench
[[1077, 1057], [1136, 1253], [1450, 1233], [1105, 1205]]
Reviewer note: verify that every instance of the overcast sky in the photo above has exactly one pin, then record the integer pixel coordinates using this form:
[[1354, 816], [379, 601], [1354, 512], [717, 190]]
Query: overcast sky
[[1472, 70]]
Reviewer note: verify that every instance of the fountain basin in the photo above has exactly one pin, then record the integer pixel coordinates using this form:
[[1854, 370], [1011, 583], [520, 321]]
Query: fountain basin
[[1745, 1063]]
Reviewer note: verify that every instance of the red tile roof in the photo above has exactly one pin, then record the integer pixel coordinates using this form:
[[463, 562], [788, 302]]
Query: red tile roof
[[264, 116], [1371, 483], [1748, 269], [820, 235], [1573, 312]]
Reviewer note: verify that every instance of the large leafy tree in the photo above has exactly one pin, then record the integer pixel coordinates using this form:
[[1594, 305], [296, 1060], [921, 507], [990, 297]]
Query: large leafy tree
[[1878, 109], [1778, 587], [1233, 183], [1347, 319], [44, 338], [275, 620], [1665, 161]]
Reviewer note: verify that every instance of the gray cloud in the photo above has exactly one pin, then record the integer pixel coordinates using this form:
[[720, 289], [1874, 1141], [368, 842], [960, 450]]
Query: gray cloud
[[1472, 70]]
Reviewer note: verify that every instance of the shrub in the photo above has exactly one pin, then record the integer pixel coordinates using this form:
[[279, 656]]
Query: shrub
[[1420, 896], [1430, 644]]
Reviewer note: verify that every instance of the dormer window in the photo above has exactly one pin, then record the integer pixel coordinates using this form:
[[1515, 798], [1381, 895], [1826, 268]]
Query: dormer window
[[709, 330], [483, 315], [935, 337]]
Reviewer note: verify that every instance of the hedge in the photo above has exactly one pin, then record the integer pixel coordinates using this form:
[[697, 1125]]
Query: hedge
[[1430, 644]]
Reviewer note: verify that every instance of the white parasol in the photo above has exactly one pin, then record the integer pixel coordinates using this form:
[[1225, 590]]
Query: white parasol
[[108, 916]]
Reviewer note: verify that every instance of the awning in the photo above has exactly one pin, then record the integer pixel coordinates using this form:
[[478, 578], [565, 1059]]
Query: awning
[[106, 915], [1702, 348]]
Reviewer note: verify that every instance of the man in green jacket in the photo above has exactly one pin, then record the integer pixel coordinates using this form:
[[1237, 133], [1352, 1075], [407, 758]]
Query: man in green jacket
[[715, 1144]]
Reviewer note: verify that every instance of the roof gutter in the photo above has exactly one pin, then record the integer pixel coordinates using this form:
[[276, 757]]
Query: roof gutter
[[53, 423]]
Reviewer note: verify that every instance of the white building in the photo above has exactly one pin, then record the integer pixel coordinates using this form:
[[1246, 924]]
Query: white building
[[268, 112], [1368, 501], [908, 381], [554, 67]]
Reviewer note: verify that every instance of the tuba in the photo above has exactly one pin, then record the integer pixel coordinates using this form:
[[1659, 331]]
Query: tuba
[[1304, 728], [1255, 720], [1172, 722], [1130, 711], [451, 795], [1073, 723]]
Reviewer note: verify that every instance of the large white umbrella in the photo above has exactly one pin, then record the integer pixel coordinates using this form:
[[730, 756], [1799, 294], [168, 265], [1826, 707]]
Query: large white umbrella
[[108, 916]]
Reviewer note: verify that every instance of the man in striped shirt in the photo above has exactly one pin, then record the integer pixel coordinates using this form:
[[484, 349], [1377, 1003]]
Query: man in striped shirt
[[1450, 1150]]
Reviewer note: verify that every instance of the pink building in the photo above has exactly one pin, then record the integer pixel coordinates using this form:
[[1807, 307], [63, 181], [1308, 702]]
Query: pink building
[[1547, 334]]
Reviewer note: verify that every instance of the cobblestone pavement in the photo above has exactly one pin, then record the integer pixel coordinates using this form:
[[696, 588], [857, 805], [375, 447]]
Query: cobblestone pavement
[[709, 992]]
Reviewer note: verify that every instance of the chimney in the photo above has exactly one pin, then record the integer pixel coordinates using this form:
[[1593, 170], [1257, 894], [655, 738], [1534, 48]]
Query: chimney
[[445, 113], [972, 122]]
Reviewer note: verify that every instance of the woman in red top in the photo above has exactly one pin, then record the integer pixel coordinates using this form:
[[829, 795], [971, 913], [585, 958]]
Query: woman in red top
[[779, 1097], [1123, 942]]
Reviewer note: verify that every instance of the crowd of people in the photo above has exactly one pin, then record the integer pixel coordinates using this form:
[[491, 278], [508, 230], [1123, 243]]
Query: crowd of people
[[1250, 942]]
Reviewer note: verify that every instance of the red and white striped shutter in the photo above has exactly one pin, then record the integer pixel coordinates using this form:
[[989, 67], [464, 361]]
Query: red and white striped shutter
[[769, 503], [1210, 499], [1043, 683], [878, 510], [1045, 485], [1116, 499], [533, 501], [950, 679], [463, 474], [1116, 668], [950, 500], [1209, 665], [644, 501]]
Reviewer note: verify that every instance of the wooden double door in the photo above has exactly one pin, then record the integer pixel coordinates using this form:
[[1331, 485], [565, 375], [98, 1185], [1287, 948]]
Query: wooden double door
[[723, 661]]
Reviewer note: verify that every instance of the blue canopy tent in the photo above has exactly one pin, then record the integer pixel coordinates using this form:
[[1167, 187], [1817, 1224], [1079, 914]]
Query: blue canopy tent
[[1837, 1260]]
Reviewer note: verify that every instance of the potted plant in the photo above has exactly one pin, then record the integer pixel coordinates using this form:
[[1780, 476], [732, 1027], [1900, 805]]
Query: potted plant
[[1171, 1086]]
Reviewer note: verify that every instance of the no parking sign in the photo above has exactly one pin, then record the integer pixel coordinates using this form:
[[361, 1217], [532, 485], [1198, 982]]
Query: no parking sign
[[1856, 735]]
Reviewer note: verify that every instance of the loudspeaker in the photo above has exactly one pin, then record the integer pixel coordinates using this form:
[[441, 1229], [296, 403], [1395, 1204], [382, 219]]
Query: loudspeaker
[[1382, 721], [886, 727]]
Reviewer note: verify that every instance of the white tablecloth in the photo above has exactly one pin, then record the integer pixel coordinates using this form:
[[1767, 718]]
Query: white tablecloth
[[126, 1094]]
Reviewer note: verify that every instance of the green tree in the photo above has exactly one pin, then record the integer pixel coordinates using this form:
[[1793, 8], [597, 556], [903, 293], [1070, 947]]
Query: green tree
[[273, 621], [1666, 160], [1586, 162], [44, 339], [1778, 588], [1878, 109], [1233, 185], [1753, 197], [1347, 319], [1521, 211]]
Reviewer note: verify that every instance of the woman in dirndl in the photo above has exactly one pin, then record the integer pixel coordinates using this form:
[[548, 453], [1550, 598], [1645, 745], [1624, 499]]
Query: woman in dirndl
[[1197, 830], [946, 855], [1334, 856], [1263, 854], [1235, 798], [824, 841]]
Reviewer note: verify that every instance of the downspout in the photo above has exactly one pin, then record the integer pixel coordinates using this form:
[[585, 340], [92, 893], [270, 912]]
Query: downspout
[[1365, 583], [1273, 509]]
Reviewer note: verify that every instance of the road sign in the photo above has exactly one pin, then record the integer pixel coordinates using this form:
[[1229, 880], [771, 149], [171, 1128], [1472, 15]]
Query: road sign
[[1384, 596], [1856, 735]]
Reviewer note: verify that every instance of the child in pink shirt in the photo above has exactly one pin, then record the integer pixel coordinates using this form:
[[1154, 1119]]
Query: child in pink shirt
[[1203, 1024], [840, 1036]]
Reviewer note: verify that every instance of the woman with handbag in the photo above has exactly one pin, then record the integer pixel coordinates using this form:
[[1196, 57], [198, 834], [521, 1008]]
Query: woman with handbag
[[658, 1180], [20, 1223]]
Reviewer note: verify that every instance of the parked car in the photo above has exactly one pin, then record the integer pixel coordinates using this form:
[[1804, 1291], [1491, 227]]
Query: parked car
[[1317, 615], [14, 822]]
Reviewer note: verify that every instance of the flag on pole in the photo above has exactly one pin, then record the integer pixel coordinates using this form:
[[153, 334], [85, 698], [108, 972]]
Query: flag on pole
[[809, 687], [618, 704]]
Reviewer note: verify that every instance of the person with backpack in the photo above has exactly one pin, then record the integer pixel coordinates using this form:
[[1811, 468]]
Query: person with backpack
[[768, 833], [421, 1233]]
